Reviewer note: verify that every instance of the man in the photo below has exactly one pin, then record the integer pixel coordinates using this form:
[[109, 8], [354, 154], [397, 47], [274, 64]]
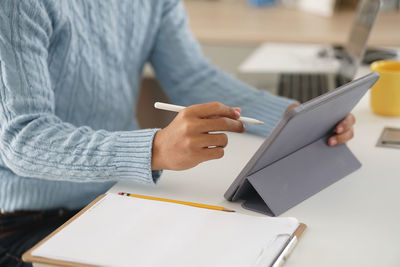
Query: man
[[69, 81]]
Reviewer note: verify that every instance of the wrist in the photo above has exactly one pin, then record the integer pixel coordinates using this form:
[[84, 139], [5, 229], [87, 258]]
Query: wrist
[[156, 158]]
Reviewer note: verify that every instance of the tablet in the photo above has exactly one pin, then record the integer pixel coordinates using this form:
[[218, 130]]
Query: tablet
[[308, 124]]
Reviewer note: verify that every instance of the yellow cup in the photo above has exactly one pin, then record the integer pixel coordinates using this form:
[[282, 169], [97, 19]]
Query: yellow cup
[[385, 94]]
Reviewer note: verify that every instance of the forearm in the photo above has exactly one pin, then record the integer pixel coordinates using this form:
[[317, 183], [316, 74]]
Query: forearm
[[45, 147]]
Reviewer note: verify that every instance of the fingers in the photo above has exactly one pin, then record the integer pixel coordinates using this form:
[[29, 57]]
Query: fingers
[[346, 124], [341, 138], [212, 153], [207, 141], [220, 124], [213, 117], [211, 109], [238, 109], [213, 140], [344, 131], [211, 146]]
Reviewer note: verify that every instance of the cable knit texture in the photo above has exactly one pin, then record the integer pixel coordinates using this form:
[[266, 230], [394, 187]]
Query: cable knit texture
[[69, 83]]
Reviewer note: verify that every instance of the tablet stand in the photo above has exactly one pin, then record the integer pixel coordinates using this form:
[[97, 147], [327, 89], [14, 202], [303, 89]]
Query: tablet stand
[[292, 179]]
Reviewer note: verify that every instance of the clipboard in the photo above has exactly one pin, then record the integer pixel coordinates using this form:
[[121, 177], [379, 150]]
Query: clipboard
[[295, 162], [28, 256]]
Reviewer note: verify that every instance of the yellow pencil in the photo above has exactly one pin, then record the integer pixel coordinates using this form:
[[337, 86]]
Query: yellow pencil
[[205, 206]]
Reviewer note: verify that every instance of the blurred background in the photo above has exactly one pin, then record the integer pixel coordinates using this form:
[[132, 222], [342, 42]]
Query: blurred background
[[230, 30]]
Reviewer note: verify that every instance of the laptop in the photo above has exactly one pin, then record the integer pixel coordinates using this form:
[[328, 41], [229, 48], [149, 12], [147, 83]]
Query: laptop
[[305, 71]]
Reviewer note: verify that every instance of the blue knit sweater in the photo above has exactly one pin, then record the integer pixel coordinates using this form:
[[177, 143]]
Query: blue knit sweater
[[69, 83]]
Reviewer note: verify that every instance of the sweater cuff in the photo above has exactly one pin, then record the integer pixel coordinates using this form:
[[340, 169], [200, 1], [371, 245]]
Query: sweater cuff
[[133, 154]]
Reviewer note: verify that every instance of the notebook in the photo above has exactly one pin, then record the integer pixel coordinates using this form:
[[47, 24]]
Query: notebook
[[126, 231]]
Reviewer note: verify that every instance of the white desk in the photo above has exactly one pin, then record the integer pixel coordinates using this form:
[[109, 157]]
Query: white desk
[[354, 222]]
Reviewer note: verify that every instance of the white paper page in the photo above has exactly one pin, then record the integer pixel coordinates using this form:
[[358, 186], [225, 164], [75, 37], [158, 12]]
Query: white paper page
[[286, 57], [127, 231]]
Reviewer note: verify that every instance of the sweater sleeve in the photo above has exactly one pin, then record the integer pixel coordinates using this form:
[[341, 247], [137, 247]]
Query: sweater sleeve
[[188, 78], [34, 142]]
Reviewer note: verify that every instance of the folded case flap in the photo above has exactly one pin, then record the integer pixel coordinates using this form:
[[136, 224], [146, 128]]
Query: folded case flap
[[300, 175]]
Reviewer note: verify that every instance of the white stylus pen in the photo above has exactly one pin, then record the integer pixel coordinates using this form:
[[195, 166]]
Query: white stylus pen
[[175, 108]]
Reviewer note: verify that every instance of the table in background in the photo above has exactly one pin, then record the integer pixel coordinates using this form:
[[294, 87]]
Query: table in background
[[230, 22]]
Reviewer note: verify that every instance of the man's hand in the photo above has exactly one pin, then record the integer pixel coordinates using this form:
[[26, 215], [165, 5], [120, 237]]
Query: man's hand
[[188, 141], [344, 130]]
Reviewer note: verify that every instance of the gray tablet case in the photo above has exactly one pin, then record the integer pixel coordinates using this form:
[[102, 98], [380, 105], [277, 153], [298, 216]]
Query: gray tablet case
[[295, 162]]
